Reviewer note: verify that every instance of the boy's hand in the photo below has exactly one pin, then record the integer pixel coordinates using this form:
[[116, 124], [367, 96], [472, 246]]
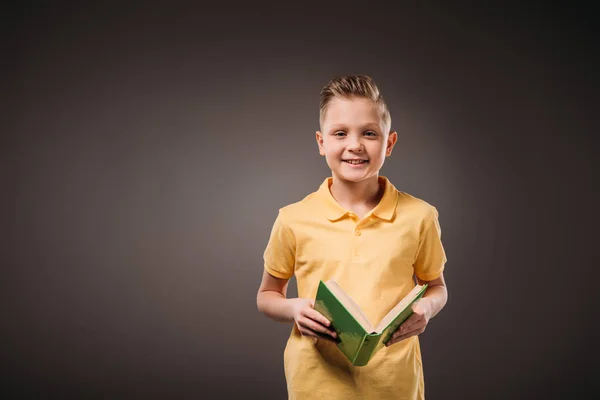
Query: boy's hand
[[310, 322], [415, 324]]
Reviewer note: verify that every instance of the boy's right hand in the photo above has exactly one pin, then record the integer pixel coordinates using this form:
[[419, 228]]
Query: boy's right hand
[[310, 322]]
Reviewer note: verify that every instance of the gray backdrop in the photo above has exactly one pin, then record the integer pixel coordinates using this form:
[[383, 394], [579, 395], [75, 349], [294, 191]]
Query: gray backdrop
[[147, 148]]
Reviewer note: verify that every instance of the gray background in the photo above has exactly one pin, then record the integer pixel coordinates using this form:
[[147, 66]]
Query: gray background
[[145, 151]]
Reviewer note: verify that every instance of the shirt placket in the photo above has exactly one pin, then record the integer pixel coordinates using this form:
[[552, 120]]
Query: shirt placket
[[358, 239]]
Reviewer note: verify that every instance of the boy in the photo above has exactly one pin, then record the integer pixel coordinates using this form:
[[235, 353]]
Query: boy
[[374, 240]]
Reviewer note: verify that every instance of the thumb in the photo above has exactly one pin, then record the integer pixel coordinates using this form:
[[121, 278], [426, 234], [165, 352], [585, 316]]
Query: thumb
[[312, 302], [416, 305]]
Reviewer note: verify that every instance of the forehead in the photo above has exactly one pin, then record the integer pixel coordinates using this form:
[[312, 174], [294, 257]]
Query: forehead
[[355, 111]]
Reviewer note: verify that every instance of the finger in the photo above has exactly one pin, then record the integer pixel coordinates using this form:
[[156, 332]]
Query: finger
[[396, 340], [399, 339], [328, 338], [409, 324], [310, 333], [404, 336], [317, 316], [307, 332], [317, 327], [415, 305], [406, 329], [401, 330]]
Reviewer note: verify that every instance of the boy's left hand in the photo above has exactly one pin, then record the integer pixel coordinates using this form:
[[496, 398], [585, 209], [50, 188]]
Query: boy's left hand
[[415, 324]]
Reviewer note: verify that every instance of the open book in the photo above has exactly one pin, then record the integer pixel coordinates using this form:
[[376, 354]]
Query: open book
[[358, 339]]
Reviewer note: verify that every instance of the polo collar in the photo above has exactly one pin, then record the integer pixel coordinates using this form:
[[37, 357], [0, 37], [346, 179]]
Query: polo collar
[[384, 209]]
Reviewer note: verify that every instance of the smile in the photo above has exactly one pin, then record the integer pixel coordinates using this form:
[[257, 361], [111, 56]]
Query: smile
[[356, 162]]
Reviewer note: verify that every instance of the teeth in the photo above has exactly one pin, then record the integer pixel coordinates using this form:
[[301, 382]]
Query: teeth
[[356, 161]]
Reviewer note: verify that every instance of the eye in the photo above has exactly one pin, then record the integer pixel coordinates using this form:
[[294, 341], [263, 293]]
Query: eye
[[339, 133], [370, 133]]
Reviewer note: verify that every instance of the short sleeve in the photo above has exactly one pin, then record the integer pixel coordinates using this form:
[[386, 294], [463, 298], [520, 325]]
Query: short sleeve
[[280, 253], [431, 257]]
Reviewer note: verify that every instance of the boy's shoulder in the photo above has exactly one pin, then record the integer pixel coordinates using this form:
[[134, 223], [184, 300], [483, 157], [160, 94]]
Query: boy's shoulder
[[307, 205], [418, 207], [412, 206], [408, 199]]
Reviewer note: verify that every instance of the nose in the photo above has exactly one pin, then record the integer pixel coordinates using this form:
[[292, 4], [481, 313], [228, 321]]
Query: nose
[[355, 145]]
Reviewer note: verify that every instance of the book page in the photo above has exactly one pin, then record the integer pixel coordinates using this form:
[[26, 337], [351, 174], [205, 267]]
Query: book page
[[350, 305], [398, 308]]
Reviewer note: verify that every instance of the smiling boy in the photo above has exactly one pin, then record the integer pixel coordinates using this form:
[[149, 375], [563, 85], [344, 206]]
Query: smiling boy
[[373, 239]]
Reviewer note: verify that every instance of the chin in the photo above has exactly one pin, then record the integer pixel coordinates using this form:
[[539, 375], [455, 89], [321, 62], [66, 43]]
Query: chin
[[353, 177]]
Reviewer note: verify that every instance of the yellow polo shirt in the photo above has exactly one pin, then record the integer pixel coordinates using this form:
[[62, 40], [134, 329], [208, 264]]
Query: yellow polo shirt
[[374, 260]]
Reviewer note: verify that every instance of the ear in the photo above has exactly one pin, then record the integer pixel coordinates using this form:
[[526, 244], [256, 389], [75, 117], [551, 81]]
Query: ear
[[391, 141], [319, 137]]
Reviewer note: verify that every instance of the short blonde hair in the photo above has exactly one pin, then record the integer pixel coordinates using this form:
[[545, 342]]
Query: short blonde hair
[[354, 86]]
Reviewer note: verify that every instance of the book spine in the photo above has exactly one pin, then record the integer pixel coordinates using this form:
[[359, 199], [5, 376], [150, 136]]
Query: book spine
[[366, 350]]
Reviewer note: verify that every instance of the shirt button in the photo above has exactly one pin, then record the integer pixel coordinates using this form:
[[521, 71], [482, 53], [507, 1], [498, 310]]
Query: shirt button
[[357, 232]]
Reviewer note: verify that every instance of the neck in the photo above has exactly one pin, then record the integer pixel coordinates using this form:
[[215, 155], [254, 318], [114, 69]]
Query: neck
[[351, 194]]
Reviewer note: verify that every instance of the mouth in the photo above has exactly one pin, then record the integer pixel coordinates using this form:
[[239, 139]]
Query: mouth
[[356, 162]]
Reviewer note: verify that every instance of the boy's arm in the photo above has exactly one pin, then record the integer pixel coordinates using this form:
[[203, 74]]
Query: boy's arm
[[271, 300], [436, 295], [429, 306]]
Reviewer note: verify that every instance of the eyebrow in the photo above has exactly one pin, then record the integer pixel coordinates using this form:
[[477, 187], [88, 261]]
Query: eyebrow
[[370, 125]]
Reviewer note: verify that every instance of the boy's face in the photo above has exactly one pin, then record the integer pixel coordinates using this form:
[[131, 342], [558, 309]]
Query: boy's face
[[353, 140]]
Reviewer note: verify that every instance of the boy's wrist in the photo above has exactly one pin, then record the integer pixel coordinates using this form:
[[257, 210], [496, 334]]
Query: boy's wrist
[[427, 306], [435, 299], [291, 308]]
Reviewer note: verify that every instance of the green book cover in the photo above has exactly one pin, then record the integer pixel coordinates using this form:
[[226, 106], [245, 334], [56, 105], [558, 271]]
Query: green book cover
[[358, 340]]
